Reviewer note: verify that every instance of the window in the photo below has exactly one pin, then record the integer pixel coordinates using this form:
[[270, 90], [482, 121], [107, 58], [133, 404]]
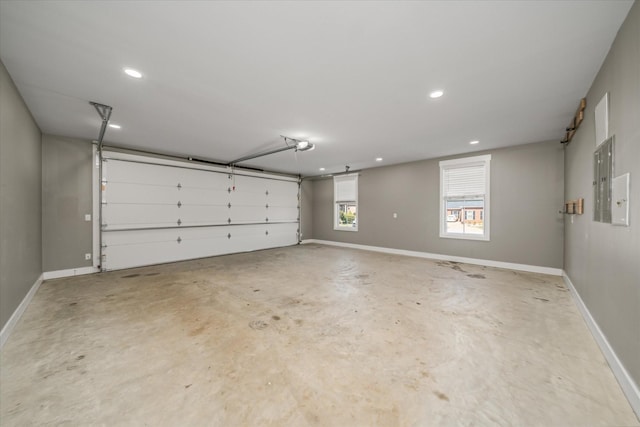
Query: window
[[345, 196], [464, 198]]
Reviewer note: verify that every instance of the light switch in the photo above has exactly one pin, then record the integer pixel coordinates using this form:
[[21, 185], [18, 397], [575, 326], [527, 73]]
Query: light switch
[[395, 215], [87, 217], [620, 200]]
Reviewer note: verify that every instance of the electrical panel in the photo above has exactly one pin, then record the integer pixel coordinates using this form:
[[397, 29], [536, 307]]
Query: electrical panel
[[602, 177], [620, 198]]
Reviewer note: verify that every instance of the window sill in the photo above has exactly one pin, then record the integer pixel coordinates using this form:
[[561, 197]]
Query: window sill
[[345, 228], [464, 237]]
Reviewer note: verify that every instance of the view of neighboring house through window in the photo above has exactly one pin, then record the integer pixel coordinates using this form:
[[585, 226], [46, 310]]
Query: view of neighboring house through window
[[345, 194], [464, 198]]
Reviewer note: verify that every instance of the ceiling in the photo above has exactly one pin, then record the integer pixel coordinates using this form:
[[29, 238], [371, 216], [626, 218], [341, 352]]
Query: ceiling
[[222, 80]]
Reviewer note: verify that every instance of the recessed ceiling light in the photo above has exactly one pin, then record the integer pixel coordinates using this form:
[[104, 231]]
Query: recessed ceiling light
[[473, 142], [378, 159], [133, 73], [436, 94], [115, 126], [321, 169]]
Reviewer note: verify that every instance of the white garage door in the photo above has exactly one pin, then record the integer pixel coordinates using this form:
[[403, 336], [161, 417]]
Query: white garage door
[[156, 212]]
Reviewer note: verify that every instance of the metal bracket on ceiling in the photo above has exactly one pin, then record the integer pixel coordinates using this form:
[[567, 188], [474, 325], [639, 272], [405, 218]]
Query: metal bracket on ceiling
[[105, 114]]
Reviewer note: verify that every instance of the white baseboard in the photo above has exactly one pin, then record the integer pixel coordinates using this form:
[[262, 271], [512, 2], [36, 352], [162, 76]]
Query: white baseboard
[[629, 387], [48, 275], [485, 262], [15, 317]]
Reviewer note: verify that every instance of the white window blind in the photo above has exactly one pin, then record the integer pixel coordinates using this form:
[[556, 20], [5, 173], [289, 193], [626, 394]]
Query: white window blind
[[465, 181], [346, 188]]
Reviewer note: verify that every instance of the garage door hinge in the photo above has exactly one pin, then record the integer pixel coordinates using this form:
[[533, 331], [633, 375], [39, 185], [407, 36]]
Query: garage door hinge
[[266, 233], [179, 203], [267, 193], [229, 236], [267, 206], [179, 239], [267, 219], [229, 190], [179, 186], [228, 220], [179, 221], [229, 205]]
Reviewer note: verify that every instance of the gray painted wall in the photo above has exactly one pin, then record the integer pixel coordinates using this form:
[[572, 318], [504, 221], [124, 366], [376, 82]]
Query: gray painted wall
[[20, 205], [603, 261], [66, 198], [526, 194], [306, 210]]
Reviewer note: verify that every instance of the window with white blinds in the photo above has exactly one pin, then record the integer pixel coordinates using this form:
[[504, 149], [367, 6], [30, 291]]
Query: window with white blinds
[[346, 188], [464, 181], [464, 198], [345, 196]]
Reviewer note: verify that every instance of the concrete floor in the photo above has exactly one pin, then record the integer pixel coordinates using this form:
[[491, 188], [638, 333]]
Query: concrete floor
[[307, 335]]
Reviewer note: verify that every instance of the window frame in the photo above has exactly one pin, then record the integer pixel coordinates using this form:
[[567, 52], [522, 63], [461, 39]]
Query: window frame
[[337, 201], [484, 160]]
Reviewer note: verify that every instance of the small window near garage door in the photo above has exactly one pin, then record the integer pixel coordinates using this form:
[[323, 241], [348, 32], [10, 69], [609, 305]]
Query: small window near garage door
[[345, 195]]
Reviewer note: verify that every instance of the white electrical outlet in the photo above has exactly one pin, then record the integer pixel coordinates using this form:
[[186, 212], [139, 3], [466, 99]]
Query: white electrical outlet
[[87, 256], [87, 217], [395, 215]]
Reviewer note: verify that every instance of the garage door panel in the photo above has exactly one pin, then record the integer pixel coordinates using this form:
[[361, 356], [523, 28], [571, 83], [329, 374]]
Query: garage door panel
[[207, 196], [191, 178], [126, 192], [125, 249], [249, 213], [283, 214], [278, 187], [156, 213], [244, 198], [139, 173], [121, 216], [134, 248], [291, 201], [121, 192], [281, 235], [127, 216], [203, 214]]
